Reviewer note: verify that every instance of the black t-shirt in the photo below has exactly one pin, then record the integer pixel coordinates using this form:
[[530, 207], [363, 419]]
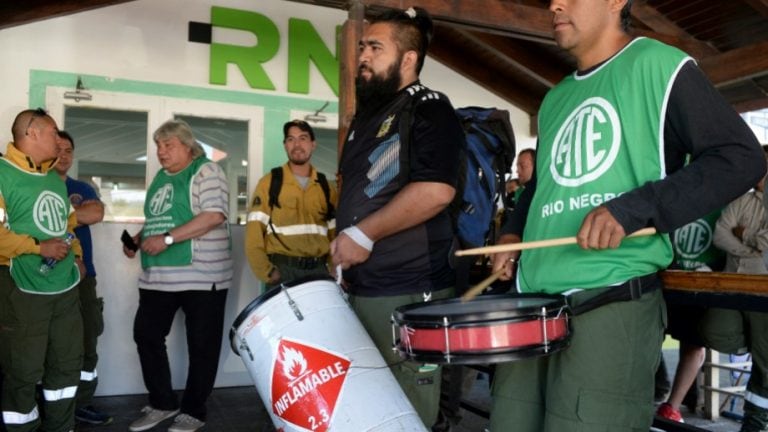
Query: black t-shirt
[[415, 259]]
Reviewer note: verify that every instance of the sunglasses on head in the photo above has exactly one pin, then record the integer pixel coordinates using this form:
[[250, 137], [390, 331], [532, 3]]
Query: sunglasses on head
[[39, 112]]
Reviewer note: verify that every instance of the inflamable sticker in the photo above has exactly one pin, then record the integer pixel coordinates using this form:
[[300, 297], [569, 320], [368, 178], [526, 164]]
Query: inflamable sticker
[[306, 384]]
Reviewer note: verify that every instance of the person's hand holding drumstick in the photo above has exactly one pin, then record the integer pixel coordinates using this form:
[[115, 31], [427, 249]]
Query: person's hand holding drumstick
[[599, 230], [506, 260]]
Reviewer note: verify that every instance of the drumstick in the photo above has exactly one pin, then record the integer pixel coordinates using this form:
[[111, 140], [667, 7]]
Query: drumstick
[[538, 244], [477, 289]]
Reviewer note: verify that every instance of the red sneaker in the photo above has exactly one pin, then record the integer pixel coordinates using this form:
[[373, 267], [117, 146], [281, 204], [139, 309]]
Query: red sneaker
[[666, 411]]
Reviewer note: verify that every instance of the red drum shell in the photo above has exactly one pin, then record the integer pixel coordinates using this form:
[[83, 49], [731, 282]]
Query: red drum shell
[[485, 330]]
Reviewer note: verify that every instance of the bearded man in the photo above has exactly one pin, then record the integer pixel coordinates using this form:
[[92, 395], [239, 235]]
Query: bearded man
[[395, 233]]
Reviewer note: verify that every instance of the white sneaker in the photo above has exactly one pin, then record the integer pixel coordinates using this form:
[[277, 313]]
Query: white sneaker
[[185, 423], [151, 418]]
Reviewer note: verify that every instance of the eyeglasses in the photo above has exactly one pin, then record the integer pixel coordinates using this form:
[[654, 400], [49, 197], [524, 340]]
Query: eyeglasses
[[39, 112]]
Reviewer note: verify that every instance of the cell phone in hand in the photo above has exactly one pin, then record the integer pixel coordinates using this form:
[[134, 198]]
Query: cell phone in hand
[[128, 241]]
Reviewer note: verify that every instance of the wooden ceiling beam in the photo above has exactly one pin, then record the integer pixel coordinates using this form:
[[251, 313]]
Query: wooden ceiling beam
[[663, 27], [737, 65], [760, 6], [536, 67], [656, 21], [504, 17], [751, 105], [13, 13], [485, 75]]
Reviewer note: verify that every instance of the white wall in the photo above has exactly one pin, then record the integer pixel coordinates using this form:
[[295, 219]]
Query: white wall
[[146, 40]]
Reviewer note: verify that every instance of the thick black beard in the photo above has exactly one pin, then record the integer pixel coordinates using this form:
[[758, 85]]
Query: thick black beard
[[377, 89]]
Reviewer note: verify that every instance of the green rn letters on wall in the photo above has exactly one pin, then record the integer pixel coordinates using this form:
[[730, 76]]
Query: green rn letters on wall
[[305, 47]]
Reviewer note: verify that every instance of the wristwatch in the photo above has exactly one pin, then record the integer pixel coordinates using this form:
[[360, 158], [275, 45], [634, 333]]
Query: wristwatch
[[168, 238]]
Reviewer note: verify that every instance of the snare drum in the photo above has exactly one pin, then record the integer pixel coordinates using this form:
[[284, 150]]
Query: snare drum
[[488, 329]]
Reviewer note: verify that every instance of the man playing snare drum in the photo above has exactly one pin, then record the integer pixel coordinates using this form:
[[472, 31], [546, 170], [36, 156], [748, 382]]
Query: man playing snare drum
[[395, 233], [614, 138]]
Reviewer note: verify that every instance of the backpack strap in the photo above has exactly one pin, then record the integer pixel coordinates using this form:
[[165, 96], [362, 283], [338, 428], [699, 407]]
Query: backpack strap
[[323, 181], [275, 184]]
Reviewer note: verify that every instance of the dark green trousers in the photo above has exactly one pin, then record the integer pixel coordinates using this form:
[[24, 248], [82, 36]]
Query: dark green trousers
[[735, 332], [603, 382], [41, 340], [91, 308], [289, 272], [419, 381]]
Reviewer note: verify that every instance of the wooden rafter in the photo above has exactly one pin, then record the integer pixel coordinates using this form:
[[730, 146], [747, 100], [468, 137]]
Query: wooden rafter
[[530, 64], [760, 6], [737, 65], [14, 13]]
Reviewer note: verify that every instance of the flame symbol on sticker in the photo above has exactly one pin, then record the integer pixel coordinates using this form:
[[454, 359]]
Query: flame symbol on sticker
[[294, 363]]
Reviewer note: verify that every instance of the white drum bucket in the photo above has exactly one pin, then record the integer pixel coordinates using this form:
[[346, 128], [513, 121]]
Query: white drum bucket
[[314, 364]]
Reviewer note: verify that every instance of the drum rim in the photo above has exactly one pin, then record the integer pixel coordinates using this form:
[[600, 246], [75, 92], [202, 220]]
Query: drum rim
[[407, 315], [263, 298]]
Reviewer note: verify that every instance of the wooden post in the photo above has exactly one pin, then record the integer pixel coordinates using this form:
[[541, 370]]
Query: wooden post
[[351, 33]]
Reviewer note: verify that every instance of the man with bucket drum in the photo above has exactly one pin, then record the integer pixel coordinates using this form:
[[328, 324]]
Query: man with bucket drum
[[614, 137], [395, 232], [291, 221]]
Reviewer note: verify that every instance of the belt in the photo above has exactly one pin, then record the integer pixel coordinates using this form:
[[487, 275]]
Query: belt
[[586, 300], [298, 262]]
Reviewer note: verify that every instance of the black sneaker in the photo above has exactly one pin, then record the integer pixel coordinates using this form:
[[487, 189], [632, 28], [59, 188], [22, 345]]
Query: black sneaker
[[90, 415]]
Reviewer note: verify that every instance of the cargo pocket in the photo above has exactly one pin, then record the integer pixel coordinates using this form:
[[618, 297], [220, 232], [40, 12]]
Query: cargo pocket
[[621, 412], [421, 384]]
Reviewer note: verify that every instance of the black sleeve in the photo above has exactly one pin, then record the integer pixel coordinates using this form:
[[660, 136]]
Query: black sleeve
[[725, 160], [437, 140]]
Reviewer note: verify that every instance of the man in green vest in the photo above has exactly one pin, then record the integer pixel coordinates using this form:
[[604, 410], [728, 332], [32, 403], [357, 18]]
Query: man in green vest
[[613, 140], [41, 330]]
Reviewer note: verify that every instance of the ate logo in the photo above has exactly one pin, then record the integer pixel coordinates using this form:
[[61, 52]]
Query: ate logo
[[50, 213], [162, 200], [693, 239], [306, 384], [587, 143]]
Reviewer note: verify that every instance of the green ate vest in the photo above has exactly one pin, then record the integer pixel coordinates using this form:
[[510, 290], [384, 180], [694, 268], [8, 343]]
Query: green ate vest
[[694, 244], [37, 205], [601, 135], [168, 205]]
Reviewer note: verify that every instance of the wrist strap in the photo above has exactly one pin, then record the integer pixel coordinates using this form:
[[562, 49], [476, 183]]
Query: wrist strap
[[359, 237]]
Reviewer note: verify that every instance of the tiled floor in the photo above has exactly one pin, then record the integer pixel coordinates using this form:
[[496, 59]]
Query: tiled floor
[[238, 409]]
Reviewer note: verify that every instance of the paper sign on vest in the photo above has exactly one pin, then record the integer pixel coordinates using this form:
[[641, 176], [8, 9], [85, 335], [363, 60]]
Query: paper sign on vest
[[306, 383]]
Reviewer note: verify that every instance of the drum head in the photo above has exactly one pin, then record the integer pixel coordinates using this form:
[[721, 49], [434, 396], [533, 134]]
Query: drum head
[[479, 310], [260, 300]]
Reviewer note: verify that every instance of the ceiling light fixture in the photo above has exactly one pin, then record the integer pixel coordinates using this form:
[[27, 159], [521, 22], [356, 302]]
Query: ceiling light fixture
[[79, 93], [317, 117]]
